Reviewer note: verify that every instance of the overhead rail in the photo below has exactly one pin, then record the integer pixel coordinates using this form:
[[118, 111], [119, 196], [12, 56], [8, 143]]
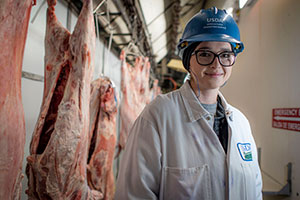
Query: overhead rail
[[38, 11], [99, 5], [32, 76]]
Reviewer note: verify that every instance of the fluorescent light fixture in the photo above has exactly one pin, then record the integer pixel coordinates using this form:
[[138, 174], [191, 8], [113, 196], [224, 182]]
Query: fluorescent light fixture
[[176, 64], [242, 3], [229, 11]]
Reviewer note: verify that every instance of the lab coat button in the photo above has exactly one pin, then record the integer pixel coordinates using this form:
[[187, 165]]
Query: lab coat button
[[208, 118]]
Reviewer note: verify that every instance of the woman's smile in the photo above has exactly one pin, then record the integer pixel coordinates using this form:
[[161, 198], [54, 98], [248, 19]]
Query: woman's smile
[[214, 74]]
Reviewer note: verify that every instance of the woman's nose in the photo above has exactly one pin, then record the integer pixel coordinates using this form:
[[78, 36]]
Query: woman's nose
[[216, 63]]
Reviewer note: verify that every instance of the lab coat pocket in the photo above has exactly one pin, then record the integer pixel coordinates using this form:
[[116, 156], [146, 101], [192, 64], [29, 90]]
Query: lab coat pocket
[[249, 183], [187, 183]]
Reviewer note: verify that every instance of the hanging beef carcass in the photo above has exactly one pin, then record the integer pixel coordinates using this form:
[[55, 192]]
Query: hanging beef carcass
[[155, 90], [144, 86], [57, 163], [135, 93], [14, 18], [103, 113]]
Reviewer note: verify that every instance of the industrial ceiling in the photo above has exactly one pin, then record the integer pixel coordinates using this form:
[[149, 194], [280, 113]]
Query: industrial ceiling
[[151, 27]]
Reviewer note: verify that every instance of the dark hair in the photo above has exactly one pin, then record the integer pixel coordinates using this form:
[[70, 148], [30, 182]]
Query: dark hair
[[187, 55]]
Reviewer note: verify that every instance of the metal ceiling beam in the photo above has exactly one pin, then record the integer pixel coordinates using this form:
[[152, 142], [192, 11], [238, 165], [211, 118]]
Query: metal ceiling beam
[[192, 7], [134, 19], [166, 9], [175, 25], [107, 35], [110, 13], [145, 28], [122, 10], [122, 34]]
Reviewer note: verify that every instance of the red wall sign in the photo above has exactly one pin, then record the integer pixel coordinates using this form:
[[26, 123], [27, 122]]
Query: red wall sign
[[286, 118]]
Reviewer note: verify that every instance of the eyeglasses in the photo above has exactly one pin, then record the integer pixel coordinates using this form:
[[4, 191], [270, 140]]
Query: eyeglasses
[[206, 57]]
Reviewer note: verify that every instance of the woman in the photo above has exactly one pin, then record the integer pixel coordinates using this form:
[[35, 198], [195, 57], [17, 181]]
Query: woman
[[190, 143]]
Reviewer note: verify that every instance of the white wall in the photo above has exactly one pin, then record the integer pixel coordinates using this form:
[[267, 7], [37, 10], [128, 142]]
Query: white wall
[[32, 91], [266, 76]]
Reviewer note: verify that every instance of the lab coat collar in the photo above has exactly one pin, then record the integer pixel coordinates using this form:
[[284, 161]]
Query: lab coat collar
[[195, 110], [226, 107]]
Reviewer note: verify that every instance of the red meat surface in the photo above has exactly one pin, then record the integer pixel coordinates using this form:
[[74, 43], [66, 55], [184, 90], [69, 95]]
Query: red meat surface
[[57, 165], [14, 18], [103, 112]]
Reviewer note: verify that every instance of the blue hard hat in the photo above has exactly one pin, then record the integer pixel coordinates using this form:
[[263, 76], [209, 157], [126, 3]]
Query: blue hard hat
[[211, 25]]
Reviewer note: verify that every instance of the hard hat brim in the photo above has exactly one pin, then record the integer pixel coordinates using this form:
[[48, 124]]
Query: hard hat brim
[[212, 38], [237, 46]]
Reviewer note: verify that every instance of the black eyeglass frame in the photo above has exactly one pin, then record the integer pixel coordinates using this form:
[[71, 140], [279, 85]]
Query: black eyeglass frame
[[215, 55]]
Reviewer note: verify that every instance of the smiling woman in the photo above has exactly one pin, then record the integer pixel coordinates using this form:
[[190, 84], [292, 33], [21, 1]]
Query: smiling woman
[[208, 73], [190, 143]]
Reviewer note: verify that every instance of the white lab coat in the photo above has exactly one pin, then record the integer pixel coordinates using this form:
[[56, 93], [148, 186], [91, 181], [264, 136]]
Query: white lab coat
[[173, 153]]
